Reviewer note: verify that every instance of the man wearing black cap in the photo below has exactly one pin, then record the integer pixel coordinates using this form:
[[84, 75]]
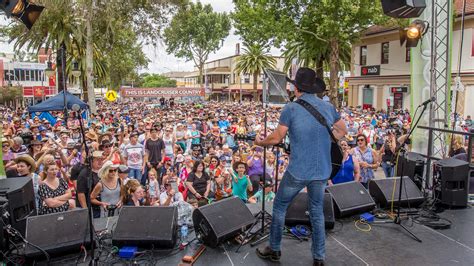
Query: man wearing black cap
[[310, 161]]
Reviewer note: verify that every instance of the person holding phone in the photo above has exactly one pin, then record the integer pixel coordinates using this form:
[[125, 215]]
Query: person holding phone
[[170, 195]]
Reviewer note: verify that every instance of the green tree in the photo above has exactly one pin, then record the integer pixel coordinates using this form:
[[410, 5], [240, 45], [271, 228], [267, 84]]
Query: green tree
[[317, 31], [157, 81], [118, 30], [253, 61], [195, 32]]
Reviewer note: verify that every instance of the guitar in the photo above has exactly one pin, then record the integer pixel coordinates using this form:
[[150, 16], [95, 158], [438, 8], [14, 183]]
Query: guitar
[[284, 145]]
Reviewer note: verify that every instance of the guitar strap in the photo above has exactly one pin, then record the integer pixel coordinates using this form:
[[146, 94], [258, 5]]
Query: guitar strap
[[313, 111]]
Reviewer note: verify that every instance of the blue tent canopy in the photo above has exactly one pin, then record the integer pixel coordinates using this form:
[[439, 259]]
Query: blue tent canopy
[[56, 103]]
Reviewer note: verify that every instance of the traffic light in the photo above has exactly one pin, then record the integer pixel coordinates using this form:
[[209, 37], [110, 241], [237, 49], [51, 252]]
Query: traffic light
[[413, 33], [25, 11]]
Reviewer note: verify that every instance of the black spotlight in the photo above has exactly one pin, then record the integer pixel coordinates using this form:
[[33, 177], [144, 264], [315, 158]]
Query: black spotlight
[[22, 9], [413, 33], [403, 8]]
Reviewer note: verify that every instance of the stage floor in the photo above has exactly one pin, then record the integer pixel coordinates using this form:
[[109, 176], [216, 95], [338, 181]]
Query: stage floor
[[385, 244]]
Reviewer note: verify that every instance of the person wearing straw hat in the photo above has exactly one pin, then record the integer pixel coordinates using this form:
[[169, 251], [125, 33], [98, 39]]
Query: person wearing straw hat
[[109, 188], [26, 167]]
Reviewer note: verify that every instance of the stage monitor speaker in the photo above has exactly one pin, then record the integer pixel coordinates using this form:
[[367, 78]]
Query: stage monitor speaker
[[412, 166], [350, 198], [217, 222], [146, 227], [21, 200], [382, 190], [276, 92], [57, 233], [403, 8], [298, 213], [452, 182]]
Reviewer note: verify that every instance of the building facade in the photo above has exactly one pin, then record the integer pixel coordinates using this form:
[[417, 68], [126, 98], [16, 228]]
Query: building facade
[[380, 67], [222, 82]]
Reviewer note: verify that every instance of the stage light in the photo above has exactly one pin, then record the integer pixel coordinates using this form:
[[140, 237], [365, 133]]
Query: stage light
[[23, 10], [413, 33], [403, 8]]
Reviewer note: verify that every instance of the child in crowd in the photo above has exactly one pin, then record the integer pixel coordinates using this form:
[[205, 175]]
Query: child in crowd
[[269, 194], [154, 187], [241, 181]]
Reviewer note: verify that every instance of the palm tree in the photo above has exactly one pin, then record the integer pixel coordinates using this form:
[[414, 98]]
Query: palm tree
[[254, 60]]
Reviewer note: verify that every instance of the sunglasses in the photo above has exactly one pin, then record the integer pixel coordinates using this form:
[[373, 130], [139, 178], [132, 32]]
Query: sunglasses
[[360, 140], [4, 146], [113, 170], [213, 161], [107, 146]]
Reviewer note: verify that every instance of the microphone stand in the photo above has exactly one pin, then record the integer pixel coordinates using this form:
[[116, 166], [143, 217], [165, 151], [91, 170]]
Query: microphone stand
[[88, 163], [397, 219]]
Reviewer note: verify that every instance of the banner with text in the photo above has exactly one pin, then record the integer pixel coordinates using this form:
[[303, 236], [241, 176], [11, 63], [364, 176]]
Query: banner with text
[[160, 92]]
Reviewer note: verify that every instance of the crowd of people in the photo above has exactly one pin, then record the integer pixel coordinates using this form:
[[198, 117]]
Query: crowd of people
[[168, 153]]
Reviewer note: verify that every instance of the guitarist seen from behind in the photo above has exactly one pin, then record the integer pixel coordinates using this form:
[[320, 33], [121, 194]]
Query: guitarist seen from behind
[[310, 161]]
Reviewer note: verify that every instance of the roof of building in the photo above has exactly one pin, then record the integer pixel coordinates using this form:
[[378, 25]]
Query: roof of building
[[458, 5]]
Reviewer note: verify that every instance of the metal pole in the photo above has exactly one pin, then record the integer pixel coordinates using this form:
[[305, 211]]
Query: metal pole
[[240, 83], [62, 49]]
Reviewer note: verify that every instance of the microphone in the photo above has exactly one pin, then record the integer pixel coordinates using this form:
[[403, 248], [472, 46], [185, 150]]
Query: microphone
[[75, 107], [432, 99]]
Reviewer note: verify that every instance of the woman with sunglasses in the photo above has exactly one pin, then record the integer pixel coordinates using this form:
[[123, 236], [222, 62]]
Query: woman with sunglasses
[[109, 188], [350, 169], [368, 159]]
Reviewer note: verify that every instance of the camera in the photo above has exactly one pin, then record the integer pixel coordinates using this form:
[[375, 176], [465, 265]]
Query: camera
[[111, 210]]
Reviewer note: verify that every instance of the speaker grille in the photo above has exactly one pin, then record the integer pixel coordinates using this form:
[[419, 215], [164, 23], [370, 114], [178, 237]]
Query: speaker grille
[[147, 225], [351, 198], [57, 232]]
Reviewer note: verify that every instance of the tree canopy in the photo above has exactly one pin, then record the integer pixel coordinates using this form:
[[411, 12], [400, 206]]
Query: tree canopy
[[195, 32], [156, 81]]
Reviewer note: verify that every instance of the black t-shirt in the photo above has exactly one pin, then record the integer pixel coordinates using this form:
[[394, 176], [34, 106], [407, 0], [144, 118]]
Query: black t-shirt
[[154, 148], [199, 184], [82, 182]]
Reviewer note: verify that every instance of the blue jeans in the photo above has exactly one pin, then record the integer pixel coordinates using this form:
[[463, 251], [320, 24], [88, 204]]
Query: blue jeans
[[288, 189], [388, 169], [135, 174]]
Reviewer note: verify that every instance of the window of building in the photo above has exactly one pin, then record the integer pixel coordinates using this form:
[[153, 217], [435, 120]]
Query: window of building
[[363, 55], [18, 75], [27, 74], [247, 78], [472, 45], [385, 51], [408, 55]]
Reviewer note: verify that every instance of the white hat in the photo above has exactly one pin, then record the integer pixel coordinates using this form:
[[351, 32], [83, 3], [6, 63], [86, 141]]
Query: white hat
[[107, 165]]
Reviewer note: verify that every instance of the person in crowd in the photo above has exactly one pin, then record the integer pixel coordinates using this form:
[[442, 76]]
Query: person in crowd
[[17, 148], [123, 174], [180, 136], [169, 141], [198, 184], [387, 152], [134, 154], [367, 158], [153, 186], [170, 196], [241, 181], [457, 146], [223, 185], [255, 166], [109, 188], [350, 169], [134, 194], [83, 190], [110, 152], [54, 193], [26, 167], [7, 153], [36, 147], [155, 152], [269, 194]]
